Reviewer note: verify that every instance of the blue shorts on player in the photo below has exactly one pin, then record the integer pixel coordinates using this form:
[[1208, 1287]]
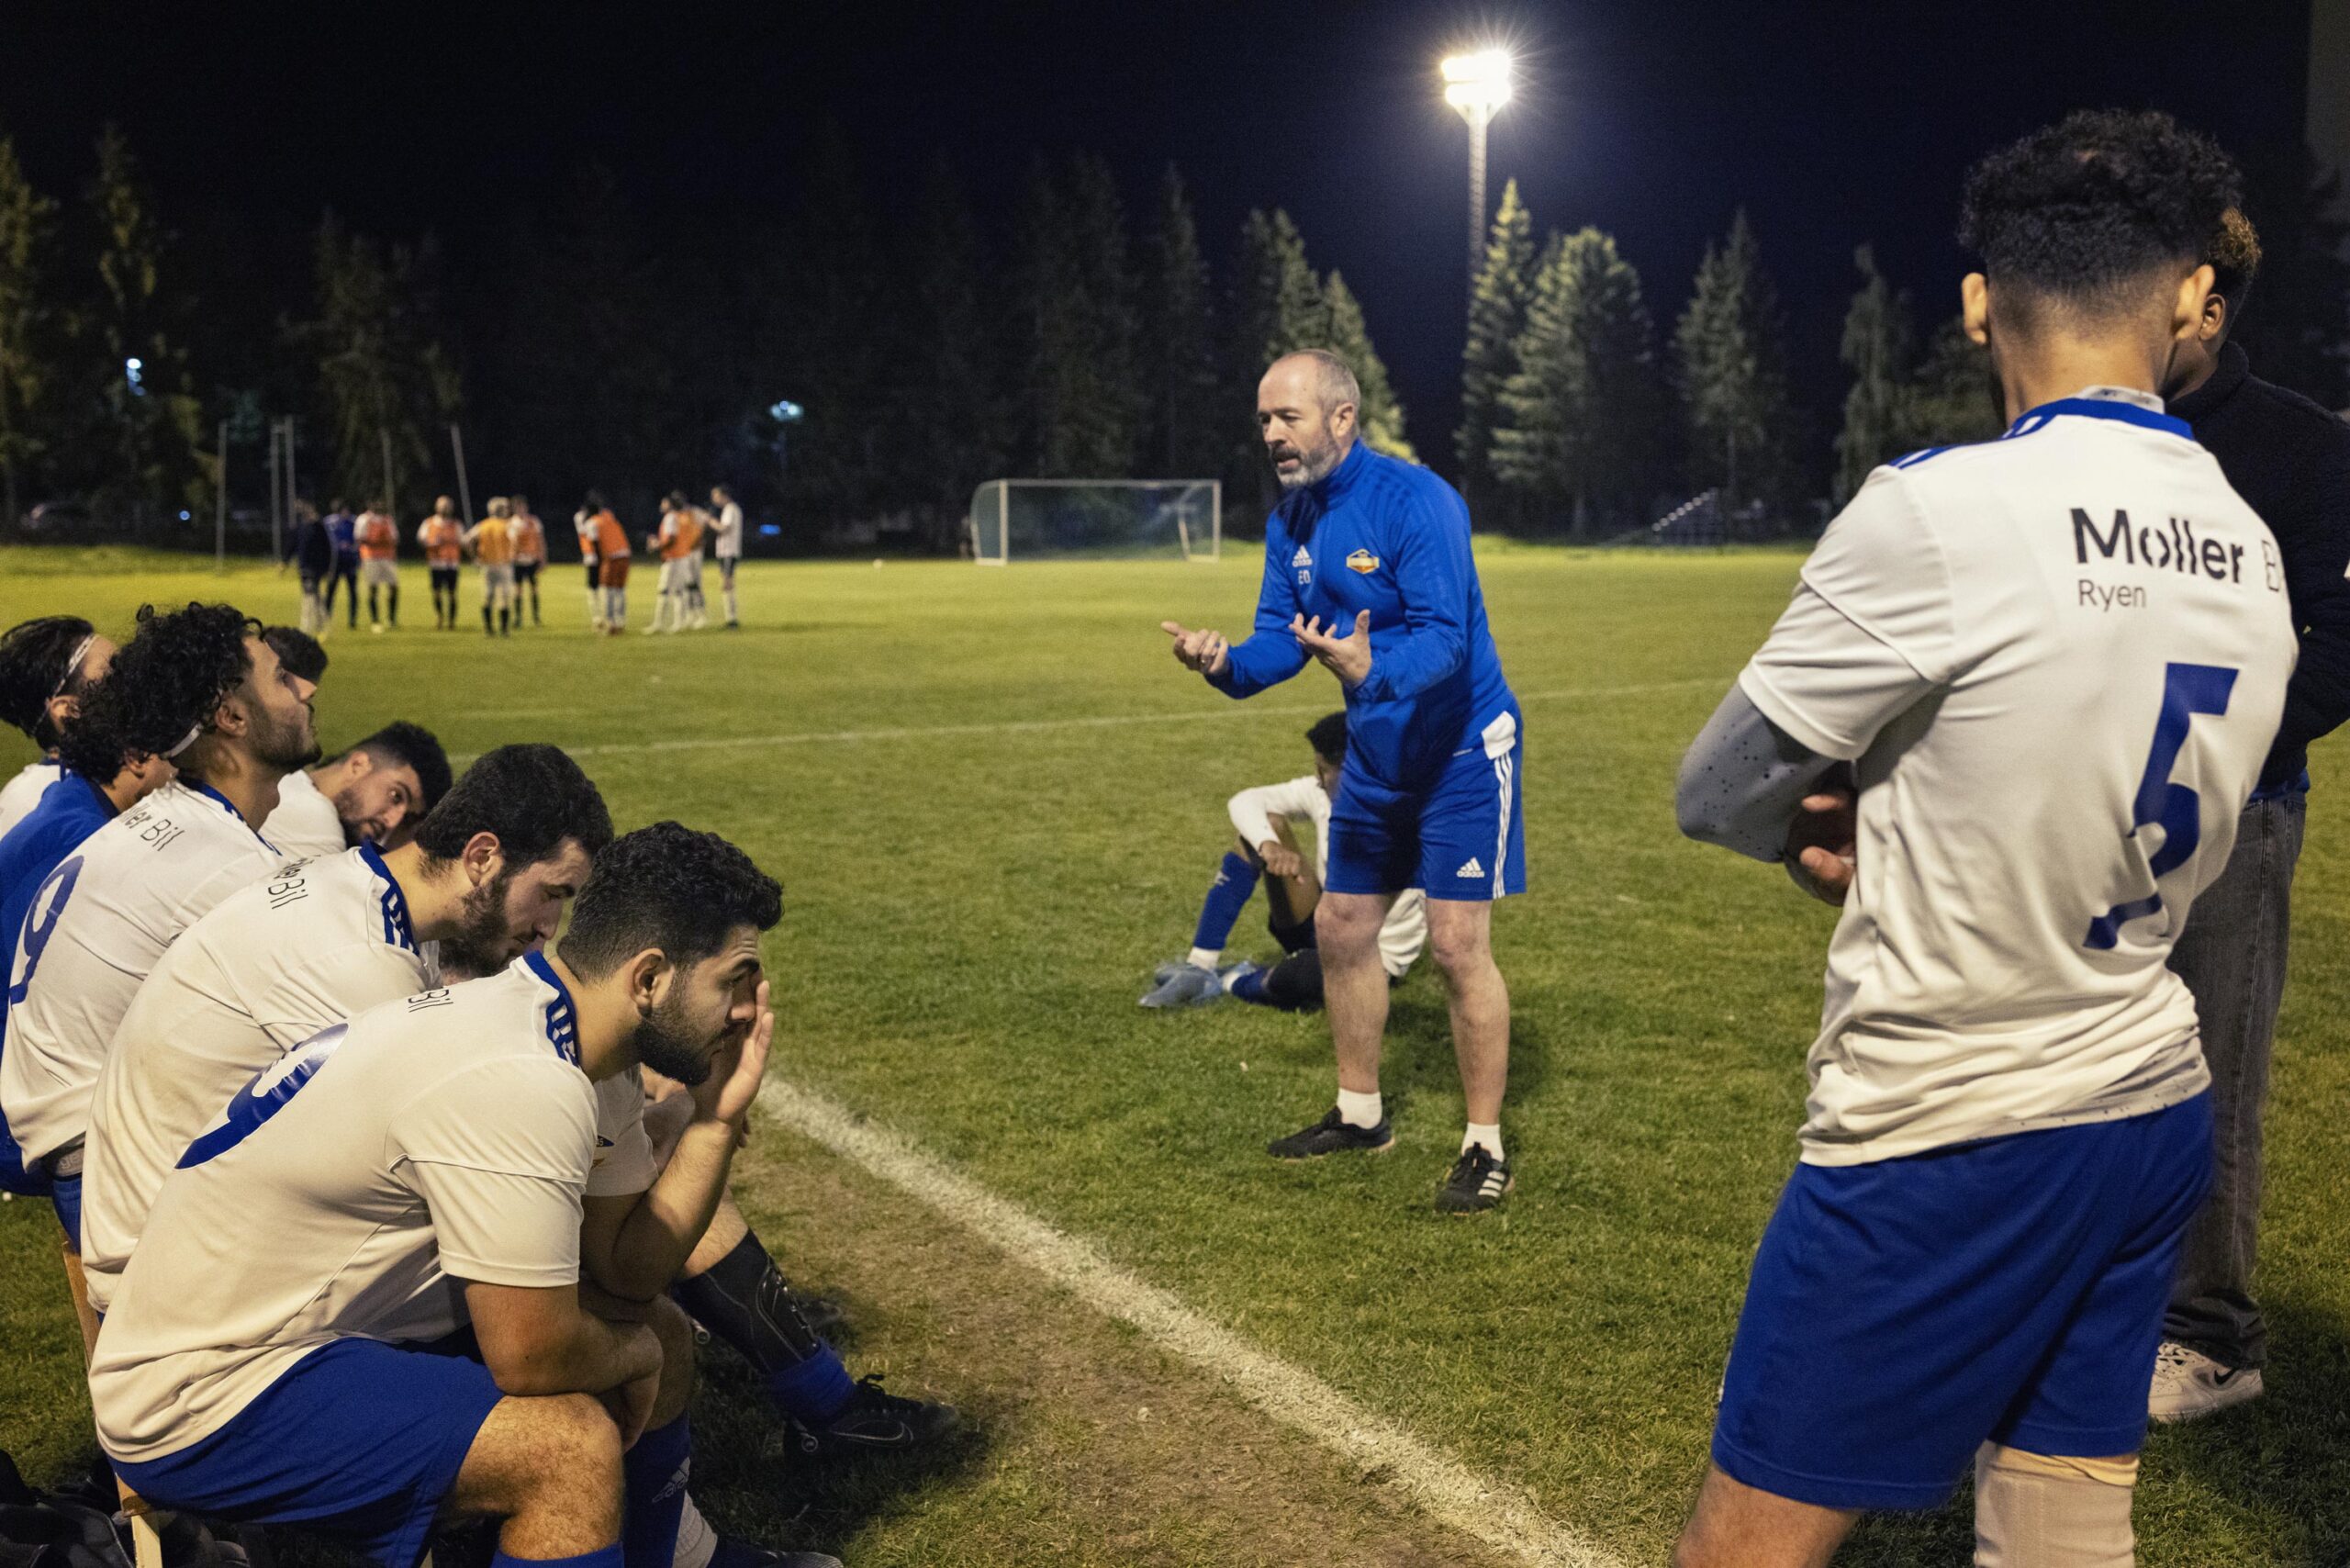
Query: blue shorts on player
[[361, 1439], [1462, 838], [1903, 1313]]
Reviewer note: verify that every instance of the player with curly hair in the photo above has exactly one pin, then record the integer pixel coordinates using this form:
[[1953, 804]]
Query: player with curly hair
[[47, 667], [200, 689], [2020, 695]]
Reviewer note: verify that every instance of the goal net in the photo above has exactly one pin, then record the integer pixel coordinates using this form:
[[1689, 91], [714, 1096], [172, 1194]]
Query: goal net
[[1029, 520]]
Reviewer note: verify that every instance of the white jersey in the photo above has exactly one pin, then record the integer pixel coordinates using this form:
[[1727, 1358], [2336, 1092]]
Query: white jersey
[[304, 825], [96, 929], [1252, 810], [308, 947], [729, 546], [350, 1190], [2057, 661], [22, 793]]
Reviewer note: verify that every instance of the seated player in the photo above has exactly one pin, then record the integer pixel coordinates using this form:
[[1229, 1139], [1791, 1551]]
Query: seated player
[[66, 815], [492, 542], [199, 688], [423, 1170], [443, 538], [47, 666], [297, 652], [378, 534], [1265, 819], [483, 880], [530, 555], [376, 792]]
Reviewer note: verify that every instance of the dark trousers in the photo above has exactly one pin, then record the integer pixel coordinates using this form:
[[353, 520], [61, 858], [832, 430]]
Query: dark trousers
[[2231, 956], [345, 574]]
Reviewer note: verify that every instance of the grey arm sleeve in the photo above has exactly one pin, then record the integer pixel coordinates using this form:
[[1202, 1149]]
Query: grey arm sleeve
[[1743, 779]]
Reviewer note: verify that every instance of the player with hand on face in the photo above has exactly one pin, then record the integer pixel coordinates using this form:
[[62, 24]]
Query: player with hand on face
[[1265, 820], [2007, 722], [425, 1170], [376, 792], [1368, 571], [47, 666]]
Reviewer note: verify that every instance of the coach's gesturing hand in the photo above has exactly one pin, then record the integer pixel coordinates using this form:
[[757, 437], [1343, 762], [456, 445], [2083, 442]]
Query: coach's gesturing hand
[[1347, 657], [1202, 651]]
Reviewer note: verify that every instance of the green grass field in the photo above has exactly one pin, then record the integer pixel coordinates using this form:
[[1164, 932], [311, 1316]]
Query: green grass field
[[976, 885]]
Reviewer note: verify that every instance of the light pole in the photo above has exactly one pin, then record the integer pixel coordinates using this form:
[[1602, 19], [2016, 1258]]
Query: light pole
[[1477, 85]]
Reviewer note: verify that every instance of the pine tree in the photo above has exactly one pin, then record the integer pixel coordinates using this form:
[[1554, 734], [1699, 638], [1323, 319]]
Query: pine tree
[[1951, 398], [1105, 420], [1583, 402], [25, 215], [383, 370], [1278, 305], [952, 419], [1876, 348], [1730, 359], [1380, 416], [1179, 342], [150, 417], [1497, 317]]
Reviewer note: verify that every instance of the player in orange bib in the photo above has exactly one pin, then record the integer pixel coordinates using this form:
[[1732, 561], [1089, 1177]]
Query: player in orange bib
[[610, 544], [492, 542], [679, 546], [530, 555], [443, 541], [379, 567]]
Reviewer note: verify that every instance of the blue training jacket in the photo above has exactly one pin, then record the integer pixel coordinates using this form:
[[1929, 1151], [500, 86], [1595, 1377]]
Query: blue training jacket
[[1381, 535], [69, 811]]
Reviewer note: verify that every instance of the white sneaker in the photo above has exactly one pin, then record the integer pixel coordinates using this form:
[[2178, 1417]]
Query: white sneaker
[[2189, 1385]]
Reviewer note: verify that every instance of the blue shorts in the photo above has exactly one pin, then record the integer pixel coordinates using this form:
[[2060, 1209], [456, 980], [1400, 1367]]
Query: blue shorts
[[66, 1197], [1903, 1313], [1463, 837], [18, 1175], [359, 1438]]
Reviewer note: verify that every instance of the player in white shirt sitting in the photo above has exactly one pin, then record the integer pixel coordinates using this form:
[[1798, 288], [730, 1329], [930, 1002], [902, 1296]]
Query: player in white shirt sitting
[[310, 946], [376, 792], [728, 547], [426, 1169], [2007, 722], [199, 688], [47, 666], [1265, 818]]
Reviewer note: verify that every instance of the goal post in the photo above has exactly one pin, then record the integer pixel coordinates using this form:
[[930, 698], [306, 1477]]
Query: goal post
[[1028, 519]]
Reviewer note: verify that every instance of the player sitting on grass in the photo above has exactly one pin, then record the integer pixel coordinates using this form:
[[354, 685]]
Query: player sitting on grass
[[425, 1170], [47, 666], [376, 792], [199, 688], [2007, 722], [1265, 819]]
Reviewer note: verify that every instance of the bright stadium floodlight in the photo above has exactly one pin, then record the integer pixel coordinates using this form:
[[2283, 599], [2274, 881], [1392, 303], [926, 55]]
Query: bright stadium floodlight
[[1477, 85]]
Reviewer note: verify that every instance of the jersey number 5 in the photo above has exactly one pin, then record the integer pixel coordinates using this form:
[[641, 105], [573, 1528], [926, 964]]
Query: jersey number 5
[[2188, 690]]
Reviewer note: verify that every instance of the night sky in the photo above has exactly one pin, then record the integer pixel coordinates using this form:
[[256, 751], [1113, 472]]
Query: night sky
[[1831, 123]]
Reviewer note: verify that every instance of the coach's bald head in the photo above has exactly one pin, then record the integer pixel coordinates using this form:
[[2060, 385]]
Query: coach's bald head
[[1305, 412]]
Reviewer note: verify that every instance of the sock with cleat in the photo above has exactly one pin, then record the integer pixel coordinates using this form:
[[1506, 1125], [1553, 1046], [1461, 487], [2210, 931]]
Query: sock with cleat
[[652, 1477], [1235, 880], [744, 1299], [1490, 1136], [1361, 1110]]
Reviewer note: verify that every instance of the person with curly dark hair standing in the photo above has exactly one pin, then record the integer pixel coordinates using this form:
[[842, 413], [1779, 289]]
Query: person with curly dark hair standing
[[200, 689], [2007, 722]]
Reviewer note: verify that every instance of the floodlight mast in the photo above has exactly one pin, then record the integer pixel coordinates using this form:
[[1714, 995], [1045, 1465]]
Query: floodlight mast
[[1477, 85]]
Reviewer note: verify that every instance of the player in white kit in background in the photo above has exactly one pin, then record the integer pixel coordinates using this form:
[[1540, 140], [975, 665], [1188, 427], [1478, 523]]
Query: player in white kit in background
[[420, 1171], [2049, 666], [728, 547], [313, 945], [199, 688]]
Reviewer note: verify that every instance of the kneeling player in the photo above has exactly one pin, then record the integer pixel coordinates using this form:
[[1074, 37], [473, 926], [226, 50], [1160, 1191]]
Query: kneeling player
[[422, 1171], [1265, 819], [2009, 1120]]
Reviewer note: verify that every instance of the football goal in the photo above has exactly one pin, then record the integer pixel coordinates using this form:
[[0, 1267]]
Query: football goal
[[1031, 520]]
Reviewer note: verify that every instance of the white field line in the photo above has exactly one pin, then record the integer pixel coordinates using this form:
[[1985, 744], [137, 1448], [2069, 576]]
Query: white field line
[[1502, 1516], [1096, 722]]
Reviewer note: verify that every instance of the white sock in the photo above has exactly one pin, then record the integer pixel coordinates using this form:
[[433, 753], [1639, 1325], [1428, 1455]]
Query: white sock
[[1205, 957], [1490, 1136], [1359, 1110], [697, 1542]]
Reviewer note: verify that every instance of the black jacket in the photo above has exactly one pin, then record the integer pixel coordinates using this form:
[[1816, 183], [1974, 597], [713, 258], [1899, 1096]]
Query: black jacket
[[2291, 460]]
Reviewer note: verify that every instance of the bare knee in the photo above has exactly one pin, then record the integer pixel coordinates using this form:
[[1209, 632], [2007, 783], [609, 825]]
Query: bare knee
[[1462, 954], [1347, 929], [675, 1331], [550, 1466]]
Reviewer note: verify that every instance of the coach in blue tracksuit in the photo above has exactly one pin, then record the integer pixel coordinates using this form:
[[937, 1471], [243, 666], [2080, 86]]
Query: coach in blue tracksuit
[[1367, 570]]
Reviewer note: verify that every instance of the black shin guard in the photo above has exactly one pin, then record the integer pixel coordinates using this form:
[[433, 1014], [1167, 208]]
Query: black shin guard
[[745, 1300]]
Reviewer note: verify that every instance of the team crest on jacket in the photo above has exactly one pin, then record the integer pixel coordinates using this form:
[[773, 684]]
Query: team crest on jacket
[[1362, 560]]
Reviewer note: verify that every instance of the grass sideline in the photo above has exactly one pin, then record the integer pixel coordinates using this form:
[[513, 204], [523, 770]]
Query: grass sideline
[[969, 917]]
